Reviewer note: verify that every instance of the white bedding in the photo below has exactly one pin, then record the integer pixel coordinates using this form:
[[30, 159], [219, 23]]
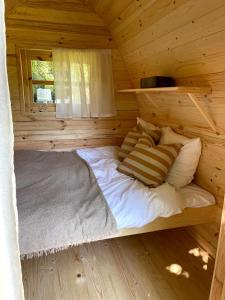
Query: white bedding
[[132, 203]]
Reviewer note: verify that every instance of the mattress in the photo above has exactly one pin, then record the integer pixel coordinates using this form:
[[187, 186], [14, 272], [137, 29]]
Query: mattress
[[132, 203]]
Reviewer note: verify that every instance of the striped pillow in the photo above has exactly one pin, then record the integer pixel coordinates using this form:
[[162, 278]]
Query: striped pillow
[[132, 138], [149, 164]]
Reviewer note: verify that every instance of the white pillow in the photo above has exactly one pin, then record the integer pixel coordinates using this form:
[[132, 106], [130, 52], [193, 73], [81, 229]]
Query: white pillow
[[184, 167], [146, 125], [195, 196]]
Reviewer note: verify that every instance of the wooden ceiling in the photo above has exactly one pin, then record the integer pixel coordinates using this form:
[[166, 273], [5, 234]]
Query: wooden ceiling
[[155, 37], [71, 19], [166, 37], [71, 12], [110, 11], [12, 4]]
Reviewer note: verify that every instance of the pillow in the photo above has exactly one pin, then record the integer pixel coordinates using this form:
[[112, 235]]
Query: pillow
[[129, 142], [195, 196], [168, 136], [132, 137], [149, 164], [183, 170], [148, 127]]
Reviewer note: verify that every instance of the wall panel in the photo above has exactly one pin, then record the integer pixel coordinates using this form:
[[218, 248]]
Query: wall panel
[[184, 39], [33, 24], [178, 112]]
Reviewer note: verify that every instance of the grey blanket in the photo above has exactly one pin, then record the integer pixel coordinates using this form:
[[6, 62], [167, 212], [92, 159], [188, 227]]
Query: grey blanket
[[59, 202]]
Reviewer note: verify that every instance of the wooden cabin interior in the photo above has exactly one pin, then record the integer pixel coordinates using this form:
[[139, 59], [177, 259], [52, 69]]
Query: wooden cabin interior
[[171, 258]]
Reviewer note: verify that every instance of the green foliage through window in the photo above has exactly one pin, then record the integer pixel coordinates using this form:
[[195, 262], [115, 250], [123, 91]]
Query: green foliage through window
[[42, 70]]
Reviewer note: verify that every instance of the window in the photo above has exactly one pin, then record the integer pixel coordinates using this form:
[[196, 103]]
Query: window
[[37, 74], [42, 81], [80, 85]]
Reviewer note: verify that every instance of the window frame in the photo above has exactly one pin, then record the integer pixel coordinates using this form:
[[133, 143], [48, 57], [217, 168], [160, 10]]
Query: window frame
[[26, 56]]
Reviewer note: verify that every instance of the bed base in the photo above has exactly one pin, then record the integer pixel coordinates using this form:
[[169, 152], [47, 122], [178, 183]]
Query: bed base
[[190, 216]]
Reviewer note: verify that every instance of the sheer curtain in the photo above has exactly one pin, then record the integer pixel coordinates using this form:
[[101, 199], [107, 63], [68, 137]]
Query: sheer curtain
[[83, 83]]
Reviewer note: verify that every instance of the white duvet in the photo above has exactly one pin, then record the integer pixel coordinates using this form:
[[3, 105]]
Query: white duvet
[[132, 203]]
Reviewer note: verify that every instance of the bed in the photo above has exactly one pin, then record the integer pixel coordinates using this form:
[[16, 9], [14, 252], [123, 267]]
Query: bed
[[139, 209], [134, 207]]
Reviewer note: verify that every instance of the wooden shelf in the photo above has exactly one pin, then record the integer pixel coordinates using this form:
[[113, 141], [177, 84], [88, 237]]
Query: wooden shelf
[[191, 91], [174, 89]]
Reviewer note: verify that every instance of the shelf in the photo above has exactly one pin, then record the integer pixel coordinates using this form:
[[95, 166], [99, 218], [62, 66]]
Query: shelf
[[174, 89], [191, 91]]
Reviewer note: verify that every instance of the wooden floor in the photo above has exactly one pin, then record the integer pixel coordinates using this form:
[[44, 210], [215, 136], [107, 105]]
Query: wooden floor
[[125, 268]]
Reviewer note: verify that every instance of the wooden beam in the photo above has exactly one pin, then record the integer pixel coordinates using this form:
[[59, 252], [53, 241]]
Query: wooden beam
[[46, 26], [202, 112], [190, 216], [151, 100]]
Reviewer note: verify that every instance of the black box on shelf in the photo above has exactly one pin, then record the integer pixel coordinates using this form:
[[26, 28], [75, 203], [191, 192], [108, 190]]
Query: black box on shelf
[[157, 81]]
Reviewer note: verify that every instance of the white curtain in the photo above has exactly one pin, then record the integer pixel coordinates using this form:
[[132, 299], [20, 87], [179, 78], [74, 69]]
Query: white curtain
[[83, 83], [10, 270]]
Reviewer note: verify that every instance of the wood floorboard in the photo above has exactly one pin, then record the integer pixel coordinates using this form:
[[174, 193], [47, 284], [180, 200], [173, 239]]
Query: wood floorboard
[[126, 268]]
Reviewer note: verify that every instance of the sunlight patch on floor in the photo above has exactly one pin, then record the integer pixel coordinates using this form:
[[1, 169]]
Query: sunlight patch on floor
[[177, 270], [198, 252]]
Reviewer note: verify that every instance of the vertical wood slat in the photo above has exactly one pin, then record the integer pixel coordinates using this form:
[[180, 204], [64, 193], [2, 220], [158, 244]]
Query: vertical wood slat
[[218, 282]]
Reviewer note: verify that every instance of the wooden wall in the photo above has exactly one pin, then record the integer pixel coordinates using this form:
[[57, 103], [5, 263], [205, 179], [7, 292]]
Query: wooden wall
[[184, 39], [45, 24]]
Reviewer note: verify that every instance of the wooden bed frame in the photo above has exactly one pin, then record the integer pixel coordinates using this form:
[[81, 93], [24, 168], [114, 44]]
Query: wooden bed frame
[[190, 216]]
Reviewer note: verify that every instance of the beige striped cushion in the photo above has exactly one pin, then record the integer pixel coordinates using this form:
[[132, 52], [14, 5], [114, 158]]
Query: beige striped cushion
[[149, 164], [132, 138]]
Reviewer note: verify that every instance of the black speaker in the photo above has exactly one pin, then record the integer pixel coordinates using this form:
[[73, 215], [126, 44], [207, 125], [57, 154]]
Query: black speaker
[[157, 81]]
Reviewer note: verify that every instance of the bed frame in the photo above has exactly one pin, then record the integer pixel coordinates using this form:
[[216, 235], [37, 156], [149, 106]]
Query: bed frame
[[190, 216]]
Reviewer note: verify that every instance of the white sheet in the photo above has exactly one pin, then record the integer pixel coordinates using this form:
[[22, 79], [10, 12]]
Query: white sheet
[[132, 203]]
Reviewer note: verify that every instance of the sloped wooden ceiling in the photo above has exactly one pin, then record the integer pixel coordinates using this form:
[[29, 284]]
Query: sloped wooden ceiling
[[167, 37], [69, 20]]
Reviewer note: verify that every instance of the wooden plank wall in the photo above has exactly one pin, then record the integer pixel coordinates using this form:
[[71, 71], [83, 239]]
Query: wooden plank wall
[[184, 39], [42, 24], [218, 283]]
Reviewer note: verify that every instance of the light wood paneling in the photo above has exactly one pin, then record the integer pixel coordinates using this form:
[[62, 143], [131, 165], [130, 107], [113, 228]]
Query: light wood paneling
[[43, 25], [218, 283], [123, 268], [184, 39], [57, 14]]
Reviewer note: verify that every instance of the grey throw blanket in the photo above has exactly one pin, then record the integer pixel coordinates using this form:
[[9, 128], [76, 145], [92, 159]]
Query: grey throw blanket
[[59, 202]]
